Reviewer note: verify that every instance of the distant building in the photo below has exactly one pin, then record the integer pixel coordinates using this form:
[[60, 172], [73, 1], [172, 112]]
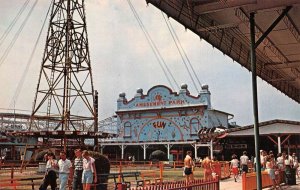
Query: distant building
[[275, 135]]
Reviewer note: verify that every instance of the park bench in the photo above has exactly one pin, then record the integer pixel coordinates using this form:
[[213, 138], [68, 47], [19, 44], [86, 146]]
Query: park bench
[[150, 177], [122, 178]]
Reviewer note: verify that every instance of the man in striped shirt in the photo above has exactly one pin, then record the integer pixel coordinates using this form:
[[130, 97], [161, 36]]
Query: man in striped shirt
[[78, 167]]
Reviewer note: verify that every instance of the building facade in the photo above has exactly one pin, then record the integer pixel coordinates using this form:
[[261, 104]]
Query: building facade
[[164, 117]]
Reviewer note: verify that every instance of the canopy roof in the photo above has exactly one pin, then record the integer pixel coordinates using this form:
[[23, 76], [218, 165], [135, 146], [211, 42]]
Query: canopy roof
[[273, 127], [225, 25]]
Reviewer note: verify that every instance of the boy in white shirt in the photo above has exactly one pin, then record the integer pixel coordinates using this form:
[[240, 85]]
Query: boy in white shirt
[[64, 166]]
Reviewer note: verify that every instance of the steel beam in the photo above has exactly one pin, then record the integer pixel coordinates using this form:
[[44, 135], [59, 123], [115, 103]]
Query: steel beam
[[218, 27], [220, 6], [273, 25], [270, 4], [280, 65], [282, 79]]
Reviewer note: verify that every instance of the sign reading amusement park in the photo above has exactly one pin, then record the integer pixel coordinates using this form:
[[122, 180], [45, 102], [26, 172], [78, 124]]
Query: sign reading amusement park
[[159, 102], [160, 97]]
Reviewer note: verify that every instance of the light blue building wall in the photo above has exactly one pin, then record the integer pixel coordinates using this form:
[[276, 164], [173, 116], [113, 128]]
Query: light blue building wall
[[164, 115]]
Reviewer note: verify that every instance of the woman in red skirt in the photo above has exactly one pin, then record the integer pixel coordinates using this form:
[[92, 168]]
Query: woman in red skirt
[[234, 166]]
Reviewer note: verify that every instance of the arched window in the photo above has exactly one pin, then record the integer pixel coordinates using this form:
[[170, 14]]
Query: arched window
[[194, 126], [127, 129]]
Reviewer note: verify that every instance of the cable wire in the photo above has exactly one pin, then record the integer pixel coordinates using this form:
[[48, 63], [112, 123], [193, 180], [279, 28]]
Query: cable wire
[[12, 24], [153, 47], [7, 51], [187, 58], [172, 32], [22, 80]]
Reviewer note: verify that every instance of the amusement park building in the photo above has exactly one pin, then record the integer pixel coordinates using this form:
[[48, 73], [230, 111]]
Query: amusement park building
[[162, 119]]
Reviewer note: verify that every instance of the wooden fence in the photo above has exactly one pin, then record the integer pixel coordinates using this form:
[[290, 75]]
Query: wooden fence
[[221, 168], [199, 184]]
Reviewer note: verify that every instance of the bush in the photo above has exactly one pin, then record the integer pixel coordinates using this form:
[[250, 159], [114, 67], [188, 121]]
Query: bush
[[40, 156], [158, 155], [102, 165]]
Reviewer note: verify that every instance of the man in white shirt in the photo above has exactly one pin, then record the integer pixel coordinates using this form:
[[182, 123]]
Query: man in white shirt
[[244, 162], [64, 166]]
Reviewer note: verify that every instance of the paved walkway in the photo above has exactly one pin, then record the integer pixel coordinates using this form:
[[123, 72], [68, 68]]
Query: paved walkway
[[229, 184]]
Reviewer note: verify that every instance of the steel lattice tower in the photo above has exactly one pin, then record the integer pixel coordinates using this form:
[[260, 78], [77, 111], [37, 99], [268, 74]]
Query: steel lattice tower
[[65, 92]]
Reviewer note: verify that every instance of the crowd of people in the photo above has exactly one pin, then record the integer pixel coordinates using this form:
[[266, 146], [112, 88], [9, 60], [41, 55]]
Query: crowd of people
[[273, 165], [81, 172], [269, 163]]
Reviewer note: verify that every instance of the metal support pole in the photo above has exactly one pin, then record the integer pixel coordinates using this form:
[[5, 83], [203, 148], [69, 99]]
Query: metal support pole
[[65, 143], [211, 149], [289, 150], [279, 144], [255, 106], [122, 153], [101, 150], [196, 155], [144, 151], [96, 140], [168, 147]]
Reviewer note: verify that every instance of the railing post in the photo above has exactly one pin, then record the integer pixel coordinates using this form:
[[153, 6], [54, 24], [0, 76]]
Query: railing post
[[218, 183], [120, 171], [161, 169], [12, 173], [32, 184]]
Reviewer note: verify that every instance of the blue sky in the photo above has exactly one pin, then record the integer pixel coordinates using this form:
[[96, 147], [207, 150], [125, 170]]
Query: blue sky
[[122, 61]]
